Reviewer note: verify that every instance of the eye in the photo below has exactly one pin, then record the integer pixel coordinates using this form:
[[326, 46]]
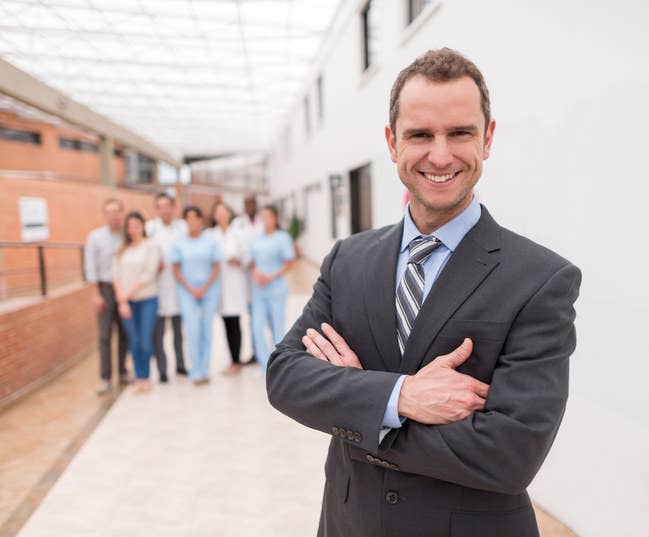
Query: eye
[[421, 135], [460, 134]]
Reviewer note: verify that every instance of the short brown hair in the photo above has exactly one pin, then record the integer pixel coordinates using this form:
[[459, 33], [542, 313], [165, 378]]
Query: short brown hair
[[440, 65]]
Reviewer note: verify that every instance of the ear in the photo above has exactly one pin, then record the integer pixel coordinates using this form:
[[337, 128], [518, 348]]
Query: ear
[[488, 139], [390, 138]]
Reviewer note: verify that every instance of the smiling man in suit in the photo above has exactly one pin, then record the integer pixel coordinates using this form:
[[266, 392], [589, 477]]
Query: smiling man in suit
[[434, 351]]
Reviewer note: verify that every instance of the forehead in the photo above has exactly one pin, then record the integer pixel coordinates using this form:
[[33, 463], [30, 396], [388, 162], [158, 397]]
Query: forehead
[[439, 104], [112, 207]]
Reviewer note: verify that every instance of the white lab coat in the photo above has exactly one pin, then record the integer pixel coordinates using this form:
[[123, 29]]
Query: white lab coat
[[164, 236], [234, 287], [248, 230]]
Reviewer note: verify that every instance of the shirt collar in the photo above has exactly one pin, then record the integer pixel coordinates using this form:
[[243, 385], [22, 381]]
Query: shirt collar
[[451, 233]]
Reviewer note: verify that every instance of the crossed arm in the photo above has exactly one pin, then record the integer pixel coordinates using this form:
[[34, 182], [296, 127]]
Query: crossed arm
[[457, 429]]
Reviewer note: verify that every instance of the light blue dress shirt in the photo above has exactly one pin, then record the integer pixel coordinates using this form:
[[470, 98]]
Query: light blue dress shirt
[[450, 234]]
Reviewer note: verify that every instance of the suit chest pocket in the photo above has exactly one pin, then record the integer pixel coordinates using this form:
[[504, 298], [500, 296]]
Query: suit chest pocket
[[488, 338]]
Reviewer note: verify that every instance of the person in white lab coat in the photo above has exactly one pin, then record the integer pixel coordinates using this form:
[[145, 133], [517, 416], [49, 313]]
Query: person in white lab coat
[[164, 230], [234, 286], [249, 226]]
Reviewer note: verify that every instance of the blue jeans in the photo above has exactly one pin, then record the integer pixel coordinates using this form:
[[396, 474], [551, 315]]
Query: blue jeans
[[267, 308], [139, 329], [198, 317]]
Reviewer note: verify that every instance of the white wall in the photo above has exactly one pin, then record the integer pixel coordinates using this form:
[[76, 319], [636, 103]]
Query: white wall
[[570, 90]]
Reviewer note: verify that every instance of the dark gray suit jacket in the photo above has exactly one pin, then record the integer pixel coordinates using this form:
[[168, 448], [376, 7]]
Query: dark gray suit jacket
[[515, 299]]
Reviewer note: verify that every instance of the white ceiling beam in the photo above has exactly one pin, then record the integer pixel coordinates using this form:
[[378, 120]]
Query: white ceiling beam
[[25, 88]]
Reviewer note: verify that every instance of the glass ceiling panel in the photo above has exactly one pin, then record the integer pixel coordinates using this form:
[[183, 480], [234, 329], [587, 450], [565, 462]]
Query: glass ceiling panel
[[193, 76]]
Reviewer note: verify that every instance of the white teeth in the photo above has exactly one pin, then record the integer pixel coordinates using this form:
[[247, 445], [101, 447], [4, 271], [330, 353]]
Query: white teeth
[[439, 178]]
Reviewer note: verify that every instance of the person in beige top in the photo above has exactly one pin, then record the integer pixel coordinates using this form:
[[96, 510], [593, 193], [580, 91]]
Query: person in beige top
[[135, 269]]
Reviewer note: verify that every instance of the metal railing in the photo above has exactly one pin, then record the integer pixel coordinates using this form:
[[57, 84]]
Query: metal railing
[[35, 268]]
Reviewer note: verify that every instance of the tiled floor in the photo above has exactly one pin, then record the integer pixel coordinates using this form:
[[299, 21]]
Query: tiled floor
[[178, 461]]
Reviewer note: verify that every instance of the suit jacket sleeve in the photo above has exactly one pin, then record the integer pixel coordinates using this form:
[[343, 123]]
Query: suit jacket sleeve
[[343, 401], [501, 448]]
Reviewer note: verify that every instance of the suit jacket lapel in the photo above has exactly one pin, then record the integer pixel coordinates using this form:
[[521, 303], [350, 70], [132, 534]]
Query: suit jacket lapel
[[379, 295], [468, 266]]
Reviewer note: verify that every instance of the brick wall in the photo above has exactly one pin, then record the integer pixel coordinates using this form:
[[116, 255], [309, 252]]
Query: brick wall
[[43, 338], [48, 156], [74, 209]]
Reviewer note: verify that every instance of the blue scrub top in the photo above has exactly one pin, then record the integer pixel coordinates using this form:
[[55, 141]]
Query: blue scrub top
[[269, 253], [196, 257]]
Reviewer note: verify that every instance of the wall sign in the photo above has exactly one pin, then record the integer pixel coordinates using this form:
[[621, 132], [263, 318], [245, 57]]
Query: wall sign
[[33, 219]]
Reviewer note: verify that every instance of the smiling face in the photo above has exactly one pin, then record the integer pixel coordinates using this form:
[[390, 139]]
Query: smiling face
[[114, 215], [439, 145], [269, 220], [222, 215], [134, 229], [165, 209], [194, 223]]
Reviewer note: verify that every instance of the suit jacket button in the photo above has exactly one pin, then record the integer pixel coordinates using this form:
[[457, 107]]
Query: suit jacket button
[[392, 498], [370, 458], [335, 431], [350, 435], [358, 437]]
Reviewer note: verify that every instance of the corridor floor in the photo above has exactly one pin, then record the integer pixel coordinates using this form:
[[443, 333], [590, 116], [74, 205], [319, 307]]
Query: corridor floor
[[197, 461]]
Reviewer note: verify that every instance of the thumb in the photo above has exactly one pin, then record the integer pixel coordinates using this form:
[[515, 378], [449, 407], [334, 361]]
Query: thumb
[[459, 355]]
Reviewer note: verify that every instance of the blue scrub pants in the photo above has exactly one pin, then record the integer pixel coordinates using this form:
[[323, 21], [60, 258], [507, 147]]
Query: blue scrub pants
[[267, 309], [139, 329], [198, 317]]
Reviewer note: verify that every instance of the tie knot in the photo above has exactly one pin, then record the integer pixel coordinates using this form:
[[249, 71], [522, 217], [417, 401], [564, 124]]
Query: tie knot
[[421, 248]]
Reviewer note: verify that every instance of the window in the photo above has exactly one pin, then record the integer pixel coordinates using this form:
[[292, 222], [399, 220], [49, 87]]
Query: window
[[415, 7], [67, 143], [307, 117], [88, 147], [368, 33], [78, 145], [146, 169], [19, 135], [320, 90]]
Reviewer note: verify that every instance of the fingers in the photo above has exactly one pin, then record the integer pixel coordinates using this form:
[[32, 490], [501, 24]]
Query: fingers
[[459, 355], [324, 346], [480, 388], [313, 349], [336, 339]]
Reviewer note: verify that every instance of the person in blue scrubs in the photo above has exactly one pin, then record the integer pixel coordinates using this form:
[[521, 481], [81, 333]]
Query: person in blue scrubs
[[272, 254], [196, 258]]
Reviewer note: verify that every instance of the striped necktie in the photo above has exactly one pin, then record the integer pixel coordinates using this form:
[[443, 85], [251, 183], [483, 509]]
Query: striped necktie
[[410, 291]]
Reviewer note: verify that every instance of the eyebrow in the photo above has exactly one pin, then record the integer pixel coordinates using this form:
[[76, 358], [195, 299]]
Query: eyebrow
[[469, 128]]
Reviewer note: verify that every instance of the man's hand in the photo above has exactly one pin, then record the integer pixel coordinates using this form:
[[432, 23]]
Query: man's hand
[[332, 349], [438, 394], [98, 302]]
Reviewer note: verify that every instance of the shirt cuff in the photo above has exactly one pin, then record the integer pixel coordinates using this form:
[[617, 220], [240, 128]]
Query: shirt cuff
[[391, 418]]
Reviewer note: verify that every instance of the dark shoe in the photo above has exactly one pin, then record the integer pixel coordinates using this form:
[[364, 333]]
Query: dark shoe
[[252, 361], [124, 379], [182, 371], [163, 378]]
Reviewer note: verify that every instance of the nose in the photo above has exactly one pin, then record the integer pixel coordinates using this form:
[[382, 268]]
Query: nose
[[439, 153]]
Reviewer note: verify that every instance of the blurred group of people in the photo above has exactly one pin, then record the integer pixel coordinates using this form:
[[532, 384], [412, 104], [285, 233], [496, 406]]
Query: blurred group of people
[[184, 272]]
